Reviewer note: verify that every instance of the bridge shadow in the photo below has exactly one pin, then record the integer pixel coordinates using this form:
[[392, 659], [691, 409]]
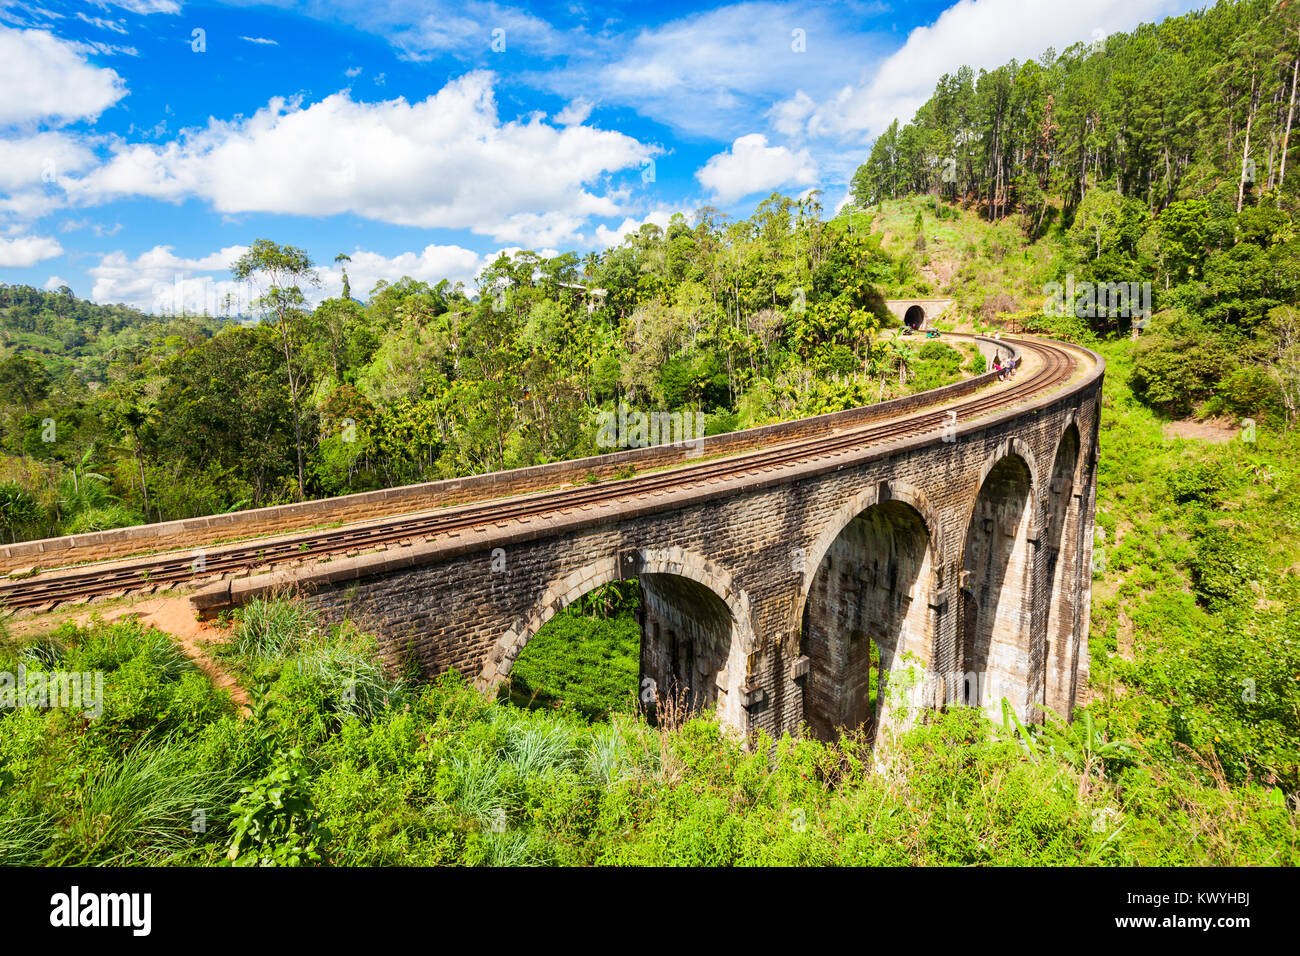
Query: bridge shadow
[[686, 639], [675, 650]]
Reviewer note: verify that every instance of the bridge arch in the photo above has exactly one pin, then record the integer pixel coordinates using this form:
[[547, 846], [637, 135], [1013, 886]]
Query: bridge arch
[[890, 490], [697, 626], [996, 585], [1012, 447], [865, 613], [1062, 569]]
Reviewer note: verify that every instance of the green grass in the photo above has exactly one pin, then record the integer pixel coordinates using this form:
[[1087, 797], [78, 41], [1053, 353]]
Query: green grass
[[440, 774], [581, 661], [1196, 616], [985, 259]]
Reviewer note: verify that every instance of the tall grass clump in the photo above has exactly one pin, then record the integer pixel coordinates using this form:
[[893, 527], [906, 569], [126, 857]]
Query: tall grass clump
[[350, 677], [25, 837], [272, 628], [143, 808], [537, 749]]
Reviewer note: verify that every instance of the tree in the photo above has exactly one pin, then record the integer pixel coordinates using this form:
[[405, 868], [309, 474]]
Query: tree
[[335, 336], [283, 268], [347, 288], [131, 409], [1283, 366], [225, 411], [1182, 234], [23, 381]]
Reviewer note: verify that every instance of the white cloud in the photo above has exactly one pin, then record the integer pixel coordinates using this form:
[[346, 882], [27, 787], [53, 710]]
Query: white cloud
[[262, 41], [44, 78], [425, 29], [542, 229], [463, 28], [445, 162], [25, 206], [606, 237], [160, 281], [751, 166], [576, 113], [454, 263], [708, 73], [25, 251], [43, 157], [789, 116], [144, 7], [103, 24], [978, 33], [352, 71], [54, 283], [87, 47]]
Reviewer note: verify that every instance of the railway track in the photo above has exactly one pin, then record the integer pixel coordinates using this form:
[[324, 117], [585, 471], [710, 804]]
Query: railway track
[[1058, 365]]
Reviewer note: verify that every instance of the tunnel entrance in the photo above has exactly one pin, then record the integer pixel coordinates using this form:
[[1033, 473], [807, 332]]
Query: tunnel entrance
[[995, 616], [914, 317], [865, 619]]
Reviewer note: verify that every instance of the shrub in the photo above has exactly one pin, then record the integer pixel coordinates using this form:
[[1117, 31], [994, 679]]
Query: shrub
[[719, 423], [275, 821], [102, 518], [20, 513], [1248, 392], [1201, 483], [1225, 565]]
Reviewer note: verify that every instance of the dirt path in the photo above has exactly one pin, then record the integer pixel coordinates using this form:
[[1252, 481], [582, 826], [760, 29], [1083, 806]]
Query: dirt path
[[174, 617]]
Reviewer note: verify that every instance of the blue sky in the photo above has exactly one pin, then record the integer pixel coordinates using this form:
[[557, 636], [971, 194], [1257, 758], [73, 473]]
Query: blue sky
[[145, 143]]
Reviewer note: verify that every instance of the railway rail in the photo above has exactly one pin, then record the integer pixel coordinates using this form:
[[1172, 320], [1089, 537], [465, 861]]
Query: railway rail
[[49, 589]]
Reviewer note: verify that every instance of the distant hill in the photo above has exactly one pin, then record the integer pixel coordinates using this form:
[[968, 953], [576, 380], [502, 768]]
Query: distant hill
[[68, 334]]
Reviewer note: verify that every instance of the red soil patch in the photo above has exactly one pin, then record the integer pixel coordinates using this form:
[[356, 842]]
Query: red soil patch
[[1217, 430]]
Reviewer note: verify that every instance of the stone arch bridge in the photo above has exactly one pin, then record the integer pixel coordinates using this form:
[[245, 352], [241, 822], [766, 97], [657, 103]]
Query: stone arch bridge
[[935, 549]]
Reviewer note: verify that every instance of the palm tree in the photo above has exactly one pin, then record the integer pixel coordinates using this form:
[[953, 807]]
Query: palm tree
[[900, 357]]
